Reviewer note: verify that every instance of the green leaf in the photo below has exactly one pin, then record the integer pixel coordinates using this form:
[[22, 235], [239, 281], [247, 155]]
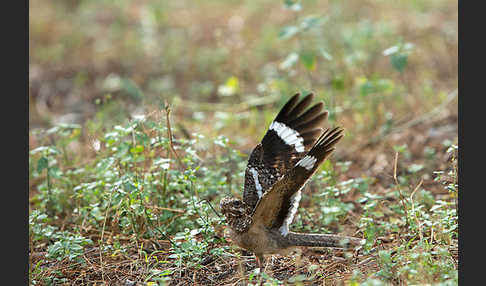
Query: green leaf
[[49, 150], [292, 5], [399, 55], [311, 21], [325, 54], [400, 148], [42, 164], [55, 172], [163, 163], [414, 168], [391, 50], [38, 149], [289, 61], [230, 87], [375, 86], [326, 166], [132, 89], [338, 82], [399, 61], [137, 149], [288, 32], [308, 59]]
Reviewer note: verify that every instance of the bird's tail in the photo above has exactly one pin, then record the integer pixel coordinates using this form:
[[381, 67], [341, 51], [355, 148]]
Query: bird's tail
[[323, 240]]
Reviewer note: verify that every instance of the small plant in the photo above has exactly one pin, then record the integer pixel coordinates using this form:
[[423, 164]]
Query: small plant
[[67, 245], [305, 54], [399, 55]]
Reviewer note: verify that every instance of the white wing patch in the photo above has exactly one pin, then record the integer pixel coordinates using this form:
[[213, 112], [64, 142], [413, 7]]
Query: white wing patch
[[288, 135], [257, 182], [295, 200], [307, 162]]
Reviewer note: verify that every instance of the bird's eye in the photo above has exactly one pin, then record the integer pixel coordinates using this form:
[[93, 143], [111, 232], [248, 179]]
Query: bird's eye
[[236, 203]]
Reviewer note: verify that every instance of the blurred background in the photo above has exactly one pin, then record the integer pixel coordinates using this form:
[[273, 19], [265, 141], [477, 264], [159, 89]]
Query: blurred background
[[227, 64]]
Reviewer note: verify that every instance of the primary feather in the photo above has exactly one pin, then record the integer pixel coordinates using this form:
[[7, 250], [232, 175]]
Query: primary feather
[[290, 135]]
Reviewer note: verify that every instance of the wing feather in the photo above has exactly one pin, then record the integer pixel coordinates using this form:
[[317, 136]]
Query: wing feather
[[290, 135], [277, 207]]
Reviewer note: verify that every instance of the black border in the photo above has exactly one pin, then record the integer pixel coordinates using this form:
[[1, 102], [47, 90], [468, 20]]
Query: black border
[[15, 142], [471, 127]]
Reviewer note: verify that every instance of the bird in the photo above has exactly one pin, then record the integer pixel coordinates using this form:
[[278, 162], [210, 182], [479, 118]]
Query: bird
[[277, 171]]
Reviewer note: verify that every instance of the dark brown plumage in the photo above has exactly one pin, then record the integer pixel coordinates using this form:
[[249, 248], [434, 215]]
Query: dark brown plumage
[[278, 169], [273, 157]]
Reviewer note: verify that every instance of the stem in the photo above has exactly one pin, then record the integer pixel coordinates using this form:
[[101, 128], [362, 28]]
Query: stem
[[64, 152], [169, 134], [402, 198], [103, 233], [49, 192]]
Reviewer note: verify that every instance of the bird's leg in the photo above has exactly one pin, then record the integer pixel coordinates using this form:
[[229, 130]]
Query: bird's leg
[[259, 260]]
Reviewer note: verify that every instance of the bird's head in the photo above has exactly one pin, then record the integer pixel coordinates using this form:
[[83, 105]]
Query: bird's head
[[237, 213]]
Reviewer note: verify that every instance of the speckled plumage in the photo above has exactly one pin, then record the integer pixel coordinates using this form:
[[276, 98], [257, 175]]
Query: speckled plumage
[[277, 172]]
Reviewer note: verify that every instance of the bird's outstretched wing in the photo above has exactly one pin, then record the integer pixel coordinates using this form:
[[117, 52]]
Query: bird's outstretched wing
[[277, 207], [293, 132]]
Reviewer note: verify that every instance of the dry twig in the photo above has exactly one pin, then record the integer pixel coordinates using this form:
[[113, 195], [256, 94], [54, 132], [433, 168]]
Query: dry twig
[[402, 198], [169, 134], [103, 233]]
